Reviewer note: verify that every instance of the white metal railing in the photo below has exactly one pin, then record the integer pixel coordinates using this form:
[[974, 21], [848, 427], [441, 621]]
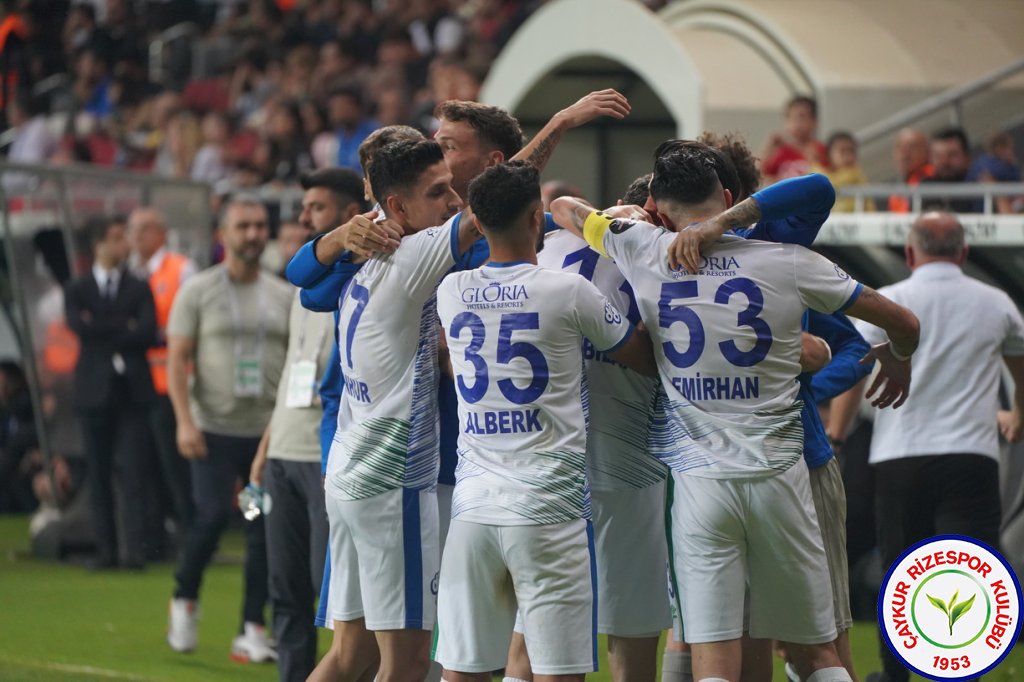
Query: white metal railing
[[985, 191]]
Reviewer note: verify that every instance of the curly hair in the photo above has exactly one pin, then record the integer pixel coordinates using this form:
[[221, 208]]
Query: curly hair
[[501, 194], [735, 147]]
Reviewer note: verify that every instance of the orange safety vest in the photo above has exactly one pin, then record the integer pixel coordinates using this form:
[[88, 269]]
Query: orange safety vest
[[901, 204], [164, 282]]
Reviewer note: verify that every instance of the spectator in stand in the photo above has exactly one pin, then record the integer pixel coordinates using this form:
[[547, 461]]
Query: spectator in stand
[[92, 80], [434, 30], [181, 142], [347, 116], [211, 163], [846, 170], [553, 189], [951, 157], [113, 315], [795, 150], [936, 458], [284, 153], [231, 324], [166, 272], [17, 441], [912, 157], [997, 164]]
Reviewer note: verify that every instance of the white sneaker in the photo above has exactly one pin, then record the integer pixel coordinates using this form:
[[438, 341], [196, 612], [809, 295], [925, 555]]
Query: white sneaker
[[183, 625], [253, 645]]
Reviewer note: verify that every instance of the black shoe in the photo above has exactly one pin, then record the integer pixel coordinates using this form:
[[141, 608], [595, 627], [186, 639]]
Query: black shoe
[[883, 676]]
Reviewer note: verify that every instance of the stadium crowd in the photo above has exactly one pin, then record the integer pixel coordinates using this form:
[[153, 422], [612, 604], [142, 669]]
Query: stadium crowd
[[418, 455]]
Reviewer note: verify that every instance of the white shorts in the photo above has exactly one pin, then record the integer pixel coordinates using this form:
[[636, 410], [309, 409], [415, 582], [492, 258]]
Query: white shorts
[[384, 559], [725, 533], [830, 506], [629, 533], [547, 571]]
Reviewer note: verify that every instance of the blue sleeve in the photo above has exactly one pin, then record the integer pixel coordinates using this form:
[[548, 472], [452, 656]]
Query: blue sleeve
[[793, 210], [304, 270], [330, 399], [848, 347], [322, 297], [549, 223]]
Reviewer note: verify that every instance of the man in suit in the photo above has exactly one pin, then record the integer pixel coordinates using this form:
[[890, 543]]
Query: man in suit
[[112, 313]]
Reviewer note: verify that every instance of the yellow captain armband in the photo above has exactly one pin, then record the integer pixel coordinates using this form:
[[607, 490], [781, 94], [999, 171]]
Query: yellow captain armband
[[596, 224]]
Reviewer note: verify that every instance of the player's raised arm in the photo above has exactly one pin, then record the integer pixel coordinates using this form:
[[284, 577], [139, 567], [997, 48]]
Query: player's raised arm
[[600, 103], [904, 332]]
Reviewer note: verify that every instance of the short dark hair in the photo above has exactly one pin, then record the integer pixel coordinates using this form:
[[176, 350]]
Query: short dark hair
[[501, 194], [735, 149], [722, 164], [638, 191], [350, 91], [97, 227], [399, 165], [839, 136], [805, 101], [687, 175], [494, 126], [957, 134], [344, 183], [382, 137]]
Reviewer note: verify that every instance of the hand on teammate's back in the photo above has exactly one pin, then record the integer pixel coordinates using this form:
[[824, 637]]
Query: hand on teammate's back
[[685, 250], [594, 105], [367, 238], [893, 377]]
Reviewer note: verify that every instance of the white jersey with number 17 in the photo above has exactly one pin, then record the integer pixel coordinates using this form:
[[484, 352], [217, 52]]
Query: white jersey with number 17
[[387, 436], [727, 340], [515, 333], [621, 400]]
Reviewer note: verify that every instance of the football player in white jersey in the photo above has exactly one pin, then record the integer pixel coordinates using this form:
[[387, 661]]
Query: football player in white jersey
[[727, 337], [627, 484], [382, 470], [520, 532]]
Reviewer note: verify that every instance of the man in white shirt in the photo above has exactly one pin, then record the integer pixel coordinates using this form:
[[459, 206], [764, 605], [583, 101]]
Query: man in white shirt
[[727, 338], [937, 459], [520, 534]]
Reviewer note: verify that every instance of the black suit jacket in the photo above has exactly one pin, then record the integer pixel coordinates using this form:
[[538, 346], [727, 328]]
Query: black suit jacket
[[126, 325]]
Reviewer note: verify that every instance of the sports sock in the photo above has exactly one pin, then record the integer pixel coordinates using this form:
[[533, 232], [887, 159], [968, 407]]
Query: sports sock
[[511, 679], [830, 675], [713, 679], [676, 666]]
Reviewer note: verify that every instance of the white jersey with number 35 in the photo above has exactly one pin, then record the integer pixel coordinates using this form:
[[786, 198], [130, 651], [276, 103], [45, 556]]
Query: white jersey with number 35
[[727, 340], [514, 337]]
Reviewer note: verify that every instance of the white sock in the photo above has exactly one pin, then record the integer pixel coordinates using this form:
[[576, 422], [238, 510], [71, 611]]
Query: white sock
[[713, 679], [511, 679], [830, 675], [676, 666]]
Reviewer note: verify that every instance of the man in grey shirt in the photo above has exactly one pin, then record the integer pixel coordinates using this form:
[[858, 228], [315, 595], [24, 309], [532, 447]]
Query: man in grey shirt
[[288, 462], [230, 323]]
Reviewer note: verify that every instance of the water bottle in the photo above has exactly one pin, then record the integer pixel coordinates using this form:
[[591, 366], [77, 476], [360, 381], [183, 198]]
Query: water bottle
[[253, 501]]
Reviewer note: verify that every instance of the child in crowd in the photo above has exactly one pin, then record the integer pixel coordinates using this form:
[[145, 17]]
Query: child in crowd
[[846, 170]]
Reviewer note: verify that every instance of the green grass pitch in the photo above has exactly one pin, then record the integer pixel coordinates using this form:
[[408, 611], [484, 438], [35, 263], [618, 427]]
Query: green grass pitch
[[62, 624]]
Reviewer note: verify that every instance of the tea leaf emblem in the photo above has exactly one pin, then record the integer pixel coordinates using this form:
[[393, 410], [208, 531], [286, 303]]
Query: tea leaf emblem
[[954, 611]]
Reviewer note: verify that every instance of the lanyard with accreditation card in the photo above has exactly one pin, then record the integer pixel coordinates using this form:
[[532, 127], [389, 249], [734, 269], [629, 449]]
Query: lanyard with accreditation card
[[302, 378], [248, 362]]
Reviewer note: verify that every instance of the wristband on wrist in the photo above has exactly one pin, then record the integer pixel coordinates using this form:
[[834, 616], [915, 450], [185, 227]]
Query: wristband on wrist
[[899, 356]]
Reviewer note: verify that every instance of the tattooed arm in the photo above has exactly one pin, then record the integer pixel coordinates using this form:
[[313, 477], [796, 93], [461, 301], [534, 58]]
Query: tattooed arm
[[685, 249], [596, 104], [571, 213]]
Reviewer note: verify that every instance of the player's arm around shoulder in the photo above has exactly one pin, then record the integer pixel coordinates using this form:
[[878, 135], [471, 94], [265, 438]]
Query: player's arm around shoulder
[[609, 232]]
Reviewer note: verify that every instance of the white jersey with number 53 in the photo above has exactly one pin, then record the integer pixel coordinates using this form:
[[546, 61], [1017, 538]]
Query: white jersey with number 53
[[514, 337], [727, 340]]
